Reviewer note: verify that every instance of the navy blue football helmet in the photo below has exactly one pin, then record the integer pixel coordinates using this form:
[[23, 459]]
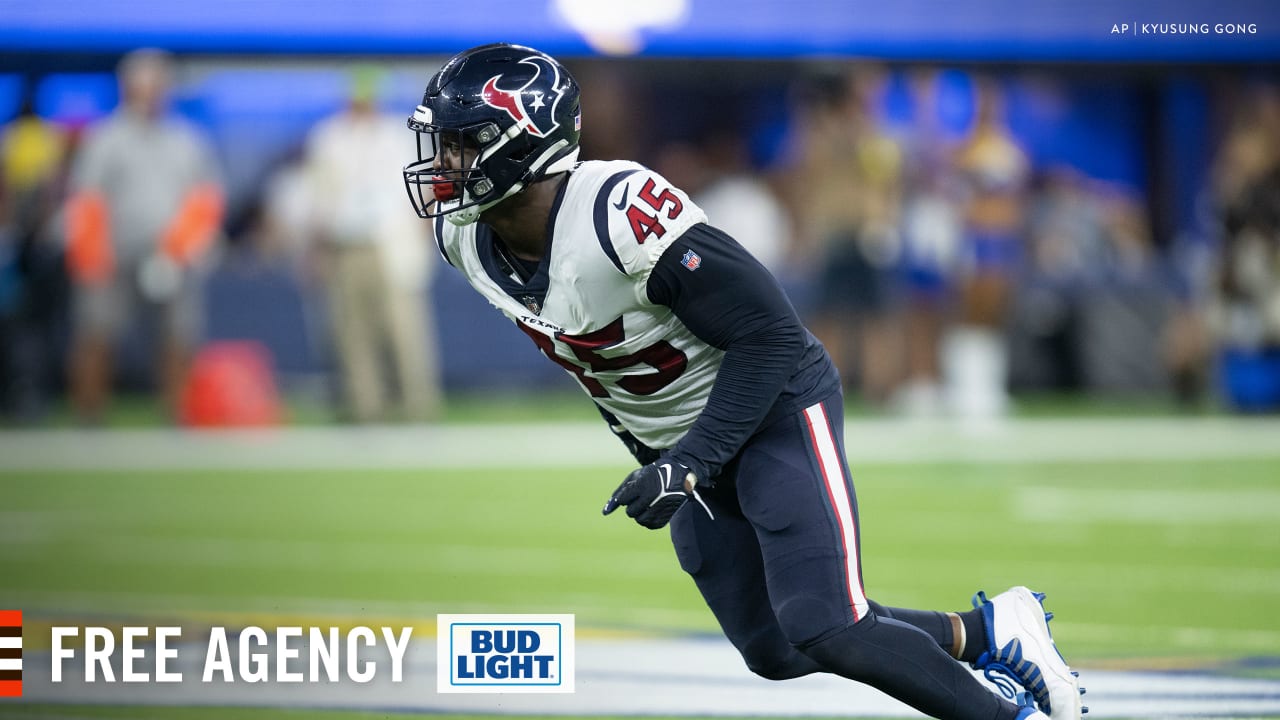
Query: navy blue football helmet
[[514, 109]]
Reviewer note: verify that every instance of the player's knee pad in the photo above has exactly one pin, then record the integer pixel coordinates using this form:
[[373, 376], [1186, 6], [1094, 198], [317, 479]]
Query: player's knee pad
[[806, 618], [772, 658], [777, 669]]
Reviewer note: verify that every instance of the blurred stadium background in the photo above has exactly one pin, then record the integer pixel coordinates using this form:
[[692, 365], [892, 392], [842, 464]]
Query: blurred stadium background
[[1128, 462]]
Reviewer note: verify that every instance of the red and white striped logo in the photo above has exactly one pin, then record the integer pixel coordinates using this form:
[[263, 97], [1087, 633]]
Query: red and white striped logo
[[824, 445], [10, 653]]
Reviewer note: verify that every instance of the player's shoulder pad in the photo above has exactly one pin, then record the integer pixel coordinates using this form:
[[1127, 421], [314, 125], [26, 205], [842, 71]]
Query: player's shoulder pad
[[637, 214]]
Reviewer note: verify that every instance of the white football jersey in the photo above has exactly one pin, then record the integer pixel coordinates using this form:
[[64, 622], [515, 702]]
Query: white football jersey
[[635, 358]]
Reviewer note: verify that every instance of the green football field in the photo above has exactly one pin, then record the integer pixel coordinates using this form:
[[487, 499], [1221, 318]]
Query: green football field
[[1147, 563]]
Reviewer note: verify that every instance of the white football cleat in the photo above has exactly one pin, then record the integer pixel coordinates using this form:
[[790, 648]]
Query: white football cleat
[[1020, 646]]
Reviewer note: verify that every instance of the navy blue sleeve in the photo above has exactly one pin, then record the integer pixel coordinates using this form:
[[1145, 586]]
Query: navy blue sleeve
[[733, 303]]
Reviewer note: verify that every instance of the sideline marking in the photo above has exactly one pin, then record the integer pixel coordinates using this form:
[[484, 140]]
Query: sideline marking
[[581, 444]]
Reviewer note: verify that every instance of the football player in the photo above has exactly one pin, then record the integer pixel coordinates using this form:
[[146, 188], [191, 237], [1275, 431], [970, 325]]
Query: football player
[[696, 359]]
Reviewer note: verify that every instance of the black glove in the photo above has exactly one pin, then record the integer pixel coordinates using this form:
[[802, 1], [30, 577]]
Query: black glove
[[655, 492]]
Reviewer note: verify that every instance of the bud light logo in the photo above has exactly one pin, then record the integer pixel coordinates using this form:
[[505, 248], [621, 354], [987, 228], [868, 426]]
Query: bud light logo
[[504, 653]]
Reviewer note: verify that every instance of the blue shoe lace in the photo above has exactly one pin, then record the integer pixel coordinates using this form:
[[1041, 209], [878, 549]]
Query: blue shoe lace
[[1004, 680], [1027, 703], [1005, 667]]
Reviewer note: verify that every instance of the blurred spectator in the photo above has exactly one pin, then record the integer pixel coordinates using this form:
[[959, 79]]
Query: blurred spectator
[[32, 156], [1247, 316], [32, 151], [284, 239], [1192, 262], [739, 202], [375, 253], [609, 97], [716, 173], [996, 172], [146, 204], [931, 235], [1066, 256], [285, 211], [849, 187]]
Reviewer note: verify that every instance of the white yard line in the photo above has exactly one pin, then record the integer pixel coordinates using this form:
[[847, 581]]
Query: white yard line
[[1207, 505], [580, 444]]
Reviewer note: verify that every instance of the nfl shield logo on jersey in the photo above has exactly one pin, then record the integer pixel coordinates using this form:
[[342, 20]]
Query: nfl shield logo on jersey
[[691, 260]]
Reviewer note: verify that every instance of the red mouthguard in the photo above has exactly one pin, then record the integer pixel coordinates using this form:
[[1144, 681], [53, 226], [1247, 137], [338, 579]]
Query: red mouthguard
[[444, 190]]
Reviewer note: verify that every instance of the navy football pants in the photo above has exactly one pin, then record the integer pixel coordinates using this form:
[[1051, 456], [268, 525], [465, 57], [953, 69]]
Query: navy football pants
[[779, 567]]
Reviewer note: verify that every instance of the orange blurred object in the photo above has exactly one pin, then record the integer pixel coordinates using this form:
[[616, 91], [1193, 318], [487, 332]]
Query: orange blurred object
[[90, 259], [231, 384], [195, 226]]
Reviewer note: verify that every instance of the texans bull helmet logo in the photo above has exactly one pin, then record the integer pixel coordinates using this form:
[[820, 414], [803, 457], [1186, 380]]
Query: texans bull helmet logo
[[538, 118]]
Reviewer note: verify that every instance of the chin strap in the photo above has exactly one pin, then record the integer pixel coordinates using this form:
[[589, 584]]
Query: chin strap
[[540, 169]]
